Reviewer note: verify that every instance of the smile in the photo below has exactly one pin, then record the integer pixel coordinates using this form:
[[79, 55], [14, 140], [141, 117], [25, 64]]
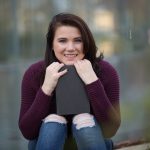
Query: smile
[[70, 55]]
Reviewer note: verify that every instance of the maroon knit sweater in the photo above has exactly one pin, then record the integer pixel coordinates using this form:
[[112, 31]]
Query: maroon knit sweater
[[103, 96]]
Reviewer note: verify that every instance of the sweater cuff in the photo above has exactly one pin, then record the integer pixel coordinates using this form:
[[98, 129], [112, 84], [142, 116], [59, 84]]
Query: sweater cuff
[[94, 85], [42, 102], [43, 94], [42, 97]]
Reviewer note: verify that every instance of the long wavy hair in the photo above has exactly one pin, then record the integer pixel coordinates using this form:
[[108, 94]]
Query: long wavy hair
[[89, 46]]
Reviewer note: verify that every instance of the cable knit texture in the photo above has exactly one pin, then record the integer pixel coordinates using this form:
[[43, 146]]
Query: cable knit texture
[[103, 95]]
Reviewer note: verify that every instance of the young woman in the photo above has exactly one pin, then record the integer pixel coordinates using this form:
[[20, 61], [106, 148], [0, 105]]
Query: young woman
[[70, 42]]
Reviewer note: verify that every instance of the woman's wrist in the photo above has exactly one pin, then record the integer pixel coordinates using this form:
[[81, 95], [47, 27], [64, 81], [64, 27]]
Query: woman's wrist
[[91, 80], [46, 90]]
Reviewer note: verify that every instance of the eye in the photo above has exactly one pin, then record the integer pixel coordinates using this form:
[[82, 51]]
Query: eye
[[78, 40], [62, 40]]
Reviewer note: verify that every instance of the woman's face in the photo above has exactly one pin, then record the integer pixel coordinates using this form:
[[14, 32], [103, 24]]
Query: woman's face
[[68, 44]]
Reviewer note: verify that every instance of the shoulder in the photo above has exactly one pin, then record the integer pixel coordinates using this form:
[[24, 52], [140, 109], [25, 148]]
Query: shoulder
[[35, 70], [108, 71], [37, 66], [106, 66]]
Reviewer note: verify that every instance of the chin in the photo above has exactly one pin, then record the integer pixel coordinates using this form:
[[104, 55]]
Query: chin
[[69, 63]]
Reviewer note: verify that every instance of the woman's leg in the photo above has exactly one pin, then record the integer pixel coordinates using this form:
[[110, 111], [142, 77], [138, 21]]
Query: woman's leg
[[52, 133], [87, 133], [109, 144], [32, 144]]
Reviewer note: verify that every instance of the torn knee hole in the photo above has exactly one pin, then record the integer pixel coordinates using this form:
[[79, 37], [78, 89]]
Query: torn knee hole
[[55, 118], [83, 120]]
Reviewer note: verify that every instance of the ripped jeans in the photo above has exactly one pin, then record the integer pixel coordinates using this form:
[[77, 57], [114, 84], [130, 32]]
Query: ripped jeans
[[86, 131]]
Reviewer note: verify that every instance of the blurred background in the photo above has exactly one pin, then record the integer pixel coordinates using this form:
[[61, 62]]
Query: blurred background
[[121, 29]]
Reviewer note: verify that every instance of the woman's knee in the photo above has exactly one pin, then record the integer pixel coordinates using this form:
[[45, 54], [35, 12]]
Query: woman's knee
[[86, 126], [87, 132], [53, 132], [55, 118], [83, 120], [54, 125]]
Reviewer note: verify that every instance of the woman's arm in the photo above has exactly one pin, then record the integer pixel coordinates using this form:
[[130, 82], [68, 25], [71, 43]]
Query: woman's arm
[[105, 100], [35, 105]]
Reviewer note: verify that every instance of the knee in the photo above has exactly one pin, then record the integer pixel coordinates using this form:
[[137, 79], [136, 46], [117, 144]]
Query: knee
[[55, 118], [53, 126], [83, 120]]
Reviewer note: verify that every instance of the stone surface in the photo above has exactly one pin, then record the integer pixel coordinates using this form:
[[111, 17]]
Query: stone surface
[[137, 147]]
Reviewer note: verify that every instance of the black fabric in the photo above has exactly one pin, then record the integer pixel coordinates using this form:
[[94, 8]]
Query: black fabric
[[71, 97]]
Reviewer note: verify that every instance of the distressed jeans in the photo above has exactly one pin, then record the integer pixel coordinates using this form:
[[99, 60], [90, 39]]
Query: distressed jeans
[[52, 136]]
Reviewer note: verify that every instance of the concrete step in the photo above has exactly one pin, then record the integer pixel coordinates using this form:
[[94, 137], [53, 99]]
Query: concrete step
[[145, 146]]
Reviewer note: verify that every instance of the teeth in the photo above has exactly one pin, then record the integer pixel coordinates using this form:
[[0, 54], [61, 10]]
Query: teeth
[[70, 55]]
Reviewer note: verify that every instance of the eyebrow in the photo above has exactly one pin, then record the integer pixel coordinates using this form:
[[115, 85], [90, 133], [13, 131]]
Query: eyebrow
[[59, 38], [78, 37], [62, 38]]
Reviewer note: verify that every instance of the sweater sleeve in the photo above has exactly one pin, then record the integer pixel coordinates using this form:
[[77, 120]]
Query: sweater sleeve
[[105, 101], [34, 106]]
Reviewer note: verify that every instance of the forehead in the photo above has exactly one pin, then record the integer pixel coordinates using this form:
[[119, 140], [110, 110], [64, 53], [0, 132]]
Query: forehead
[[67, 30]]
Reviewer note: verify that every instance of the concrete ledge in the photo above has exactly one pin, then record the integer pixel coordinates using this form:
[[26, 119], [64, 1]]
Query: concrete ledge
[[145, 146]]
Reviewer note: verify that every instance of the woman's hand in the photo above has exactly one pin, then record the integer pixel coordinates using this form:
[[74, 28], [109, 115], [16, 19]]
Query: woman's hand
[[85, 71], [51, 77]]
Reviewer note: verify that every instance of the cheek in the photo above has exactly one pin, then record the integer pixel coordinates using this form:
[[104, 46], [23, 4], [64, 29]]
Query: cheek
[[82, 51], [82, 55], [58, 49], [80, 48], [58, 55]]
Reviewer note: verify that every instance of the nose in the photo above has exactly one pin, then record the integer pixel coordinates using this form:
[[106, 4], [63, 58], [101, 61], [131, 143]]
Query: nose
[[70, 46]]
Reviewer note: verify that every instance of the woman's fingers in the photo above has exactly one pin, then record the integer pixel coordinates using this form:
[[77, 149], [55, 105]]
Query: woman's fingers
[[61, 73], [51, 77], [55, 66], [85, 71]]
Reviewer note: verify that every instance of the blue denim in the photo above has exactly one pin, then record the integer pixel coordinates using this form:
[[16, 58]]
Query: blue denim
[[91, 138], [52, 136]]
